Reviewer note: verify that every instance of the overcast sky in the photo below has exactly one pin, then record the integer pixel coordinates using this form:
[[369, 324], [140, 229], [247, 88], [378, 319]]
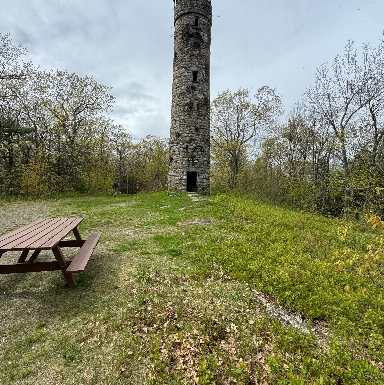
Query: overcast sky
[[128, 45]]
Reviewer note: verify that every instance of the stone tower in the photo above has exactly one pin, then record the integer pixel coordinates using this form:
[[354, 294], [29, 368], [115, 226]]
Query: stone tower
[[189, 155]]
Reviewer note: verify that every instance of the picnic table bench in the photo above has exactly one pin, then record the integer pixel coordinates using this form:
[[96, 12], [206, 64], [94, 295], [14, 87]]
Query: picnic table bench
[[48, 234]]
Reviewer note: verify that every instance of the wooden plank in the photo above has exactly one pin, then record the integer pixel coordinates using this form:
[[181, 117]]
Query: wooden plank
[[45, 237], [25, 239], [53, 234], [30, 267], [61, 233], [8, 238], [84, 254], [20, 229]]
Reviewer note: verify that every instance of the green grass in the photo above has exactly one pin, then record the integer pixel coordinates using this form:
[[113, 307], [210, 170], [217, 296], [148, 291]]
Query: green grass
[[166, 301]]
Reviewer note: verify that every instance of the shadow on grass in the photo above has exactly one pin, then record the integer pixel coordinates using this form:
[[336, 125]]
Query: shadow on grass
[[47, 294]]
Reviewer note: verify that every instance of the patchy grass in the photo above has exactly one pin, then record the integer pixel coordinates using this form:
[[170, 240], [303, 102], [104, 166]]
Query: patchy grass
[[170, 298]]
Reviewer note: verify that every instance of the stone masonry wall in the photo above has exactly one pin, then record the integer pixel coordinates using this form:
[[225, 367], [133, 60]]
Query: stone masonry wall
[[190, 120]]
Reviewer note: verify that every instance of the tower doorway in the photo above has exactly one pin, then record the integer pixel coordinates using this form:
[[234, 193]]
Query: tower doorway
[[192, 181]]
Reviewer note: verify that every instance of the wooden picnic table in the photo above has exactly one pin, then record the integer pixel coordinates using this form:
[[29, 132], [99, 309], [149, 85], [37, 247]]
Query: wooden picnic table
[[48, 234]]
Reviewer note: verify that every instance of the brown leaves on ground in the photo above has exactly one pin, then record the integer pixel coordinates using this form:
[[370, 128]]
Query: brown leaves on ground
[[196, 334]]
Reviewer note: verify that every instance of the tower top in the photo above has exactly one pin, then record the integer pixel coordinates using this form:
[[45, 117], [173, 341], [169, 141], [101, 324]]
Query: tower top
[[198, 7]]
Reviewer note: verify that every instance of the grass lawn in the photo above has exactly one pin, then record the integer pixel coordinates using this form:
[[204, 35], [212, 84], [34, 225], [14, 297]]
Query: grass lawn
[[193, 292]]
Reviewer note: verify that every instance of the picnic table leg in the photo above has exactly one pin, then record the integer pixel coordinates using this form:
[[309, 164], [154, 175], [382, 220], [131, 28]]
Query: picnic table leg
[[63, 266], [33, 257], [23, 256], [77, 234]]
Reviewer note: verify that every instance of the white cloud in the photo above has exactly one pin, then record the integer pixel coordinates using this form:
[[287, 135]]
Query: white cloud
[[128, 45]]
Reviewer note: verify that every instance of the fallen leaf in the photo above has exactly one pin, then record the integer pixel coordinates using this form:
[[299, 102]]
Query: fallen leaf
[[122, 370]]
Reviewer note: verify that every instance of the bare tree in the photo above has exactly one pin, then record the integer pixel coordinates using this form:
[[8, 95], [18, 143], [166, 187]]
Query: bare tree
[[337, 99]]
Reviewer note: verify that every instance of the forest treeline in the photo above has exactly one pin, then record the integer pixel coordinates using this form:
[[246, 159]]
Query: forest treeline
[[327, 156], [55, 135]]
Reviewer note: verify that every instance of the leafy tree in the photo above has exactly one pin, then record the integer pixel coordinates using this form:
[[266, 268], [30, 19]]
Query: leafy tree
[[96, 158], [14, 148], [76, 106], [269, 179], [237, 121], [65, 114], [122, 147], [37, 177], [149, 164]]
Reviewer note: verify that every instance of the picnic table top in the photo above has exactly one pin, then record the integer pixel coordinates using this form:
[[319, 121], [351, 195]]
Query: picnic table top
[[43, 234]]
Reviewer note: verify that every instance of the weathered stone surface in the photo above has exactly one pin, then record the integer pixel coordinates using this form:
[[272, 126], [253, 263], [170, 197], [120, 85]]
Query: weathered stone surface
[[190, 121]]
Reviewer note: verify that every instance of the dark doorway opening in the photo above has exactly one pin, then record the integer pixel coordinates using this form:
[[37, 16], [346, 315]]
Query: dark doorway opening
[[192, 181]]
